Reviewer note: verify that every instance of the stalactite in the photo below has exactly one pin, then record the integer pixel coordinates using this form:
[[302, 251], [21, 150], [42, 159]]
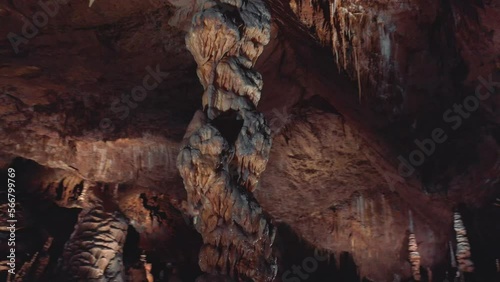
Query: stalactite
[[333, 10], [465, 263], [343, 30], [65, 189], [226, 147], [94, 250], [345, 22], [358, 74]]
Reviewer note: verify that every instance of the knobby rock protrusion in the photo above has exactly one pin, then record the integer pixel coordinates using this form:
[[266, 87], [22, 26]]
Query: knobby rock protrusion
[[226, 147]]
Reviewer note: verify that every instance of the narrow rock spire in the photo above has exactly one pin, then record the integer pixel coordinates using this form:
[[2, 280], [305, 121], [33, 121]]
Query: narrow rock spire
[[465, 263], [414, 256]]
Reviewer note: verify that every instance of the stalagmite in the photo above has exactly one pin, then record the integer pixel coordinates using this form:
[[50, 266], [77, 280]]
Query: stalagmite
[[414, 256], [465, 263], [94, 250], [226, 147]]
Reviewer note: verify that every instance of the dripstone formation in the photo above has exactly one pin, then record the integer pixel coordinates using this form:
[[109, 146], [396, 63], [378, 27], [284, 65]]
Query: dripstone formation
[[226, 147], [465, 263], [414, 257], [95, 249]]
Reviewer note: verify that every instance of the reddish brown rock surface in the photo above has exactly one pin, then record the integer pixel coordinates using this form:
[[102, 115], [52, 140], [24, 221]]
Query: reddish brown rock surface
[[332, 177]]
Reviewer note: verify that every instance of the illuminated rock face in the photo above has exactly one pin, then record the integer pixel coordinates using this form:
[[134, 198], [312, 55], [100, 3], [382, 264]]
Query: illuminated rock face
[[227, 146]]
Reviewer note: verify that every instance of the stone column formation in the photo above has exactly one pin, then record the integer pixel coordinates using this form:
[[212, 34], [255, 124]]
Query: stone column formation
[[95, 248], [465, 264], [226, 147]]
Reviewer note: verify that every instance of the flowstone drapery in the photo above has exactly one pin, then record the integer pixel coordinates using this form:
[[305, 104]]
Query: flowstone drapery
[[226, 147]]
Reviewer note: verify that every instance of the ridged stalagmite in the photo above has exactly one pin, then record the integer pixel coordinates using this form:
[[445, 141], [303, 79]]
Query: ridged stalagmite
[[414, 257], [95, 249], [465, 263]]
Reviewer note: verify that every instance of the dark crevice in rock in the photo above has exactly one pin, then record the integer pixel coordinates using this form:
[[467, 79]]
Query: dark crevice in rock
[[229, 125]]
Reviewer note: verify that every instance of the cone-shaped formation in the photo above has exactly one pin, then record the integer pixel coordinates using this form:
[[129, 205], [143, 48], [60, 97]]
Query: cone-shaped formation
[[414, 257], [94, 250], [227, 147], [465, 263]]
